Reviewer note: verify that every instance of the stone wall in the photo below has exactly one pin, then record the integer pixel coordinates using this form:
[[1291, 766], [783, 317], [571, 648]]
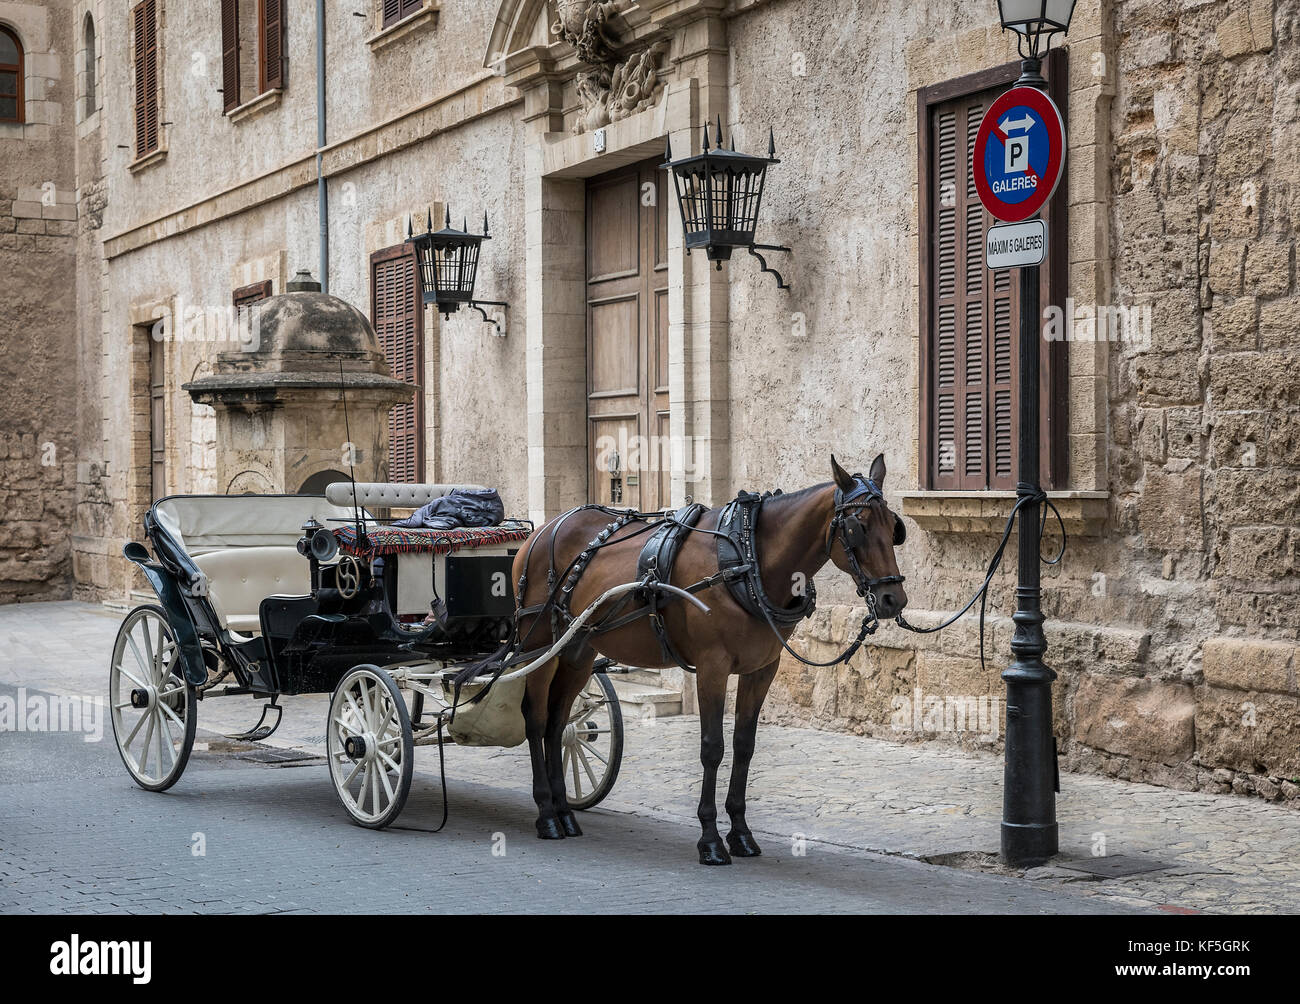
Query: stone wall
[[38, 226], [1172, 623]]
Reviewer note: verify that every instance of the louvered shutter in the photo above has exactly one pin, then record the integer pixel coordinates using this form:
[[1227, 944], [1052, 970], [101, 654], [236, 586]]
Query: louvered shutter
[[145, 22], [971, 427], [230, 53], [395, 10], [396, 308], [272, 44]]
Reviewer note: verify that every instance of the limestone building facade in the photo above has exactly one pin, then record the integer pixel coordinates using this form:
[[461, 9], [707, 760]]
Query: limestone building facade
[[173, 163]]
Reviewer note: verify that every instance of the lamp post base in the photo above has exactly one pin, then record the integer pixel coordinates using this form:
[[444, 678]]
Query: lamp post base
[[1028, 845]]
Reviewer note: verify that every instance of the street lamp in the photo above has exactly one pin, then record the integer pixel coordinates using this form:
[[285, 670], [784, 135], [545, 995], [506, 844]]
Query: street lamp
[[1030, 777], [718, 194], [448, 262], [1035, 21]]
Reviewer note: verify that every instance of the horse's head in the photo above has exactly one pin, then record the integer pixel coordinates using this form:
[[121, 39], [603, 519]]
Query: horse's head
[[862, 535]]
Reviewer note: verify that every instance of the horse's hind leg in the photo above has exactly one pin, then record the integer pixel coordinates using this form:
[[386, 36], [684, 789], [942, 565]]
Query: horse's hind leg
[[536, 699], [749, 702], [711, 684], [570, 678]]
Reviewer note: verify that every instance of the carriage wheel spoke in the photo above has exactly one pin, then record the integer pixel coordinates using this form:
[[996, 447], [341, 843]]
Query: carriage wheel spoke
[[393, 765], [123, 670], [352, 777], [592, 750], [127, 742], [577, 783], [373, 774], [167, 711], [148, 738], [383, 776], [586, 765], [146, 668]]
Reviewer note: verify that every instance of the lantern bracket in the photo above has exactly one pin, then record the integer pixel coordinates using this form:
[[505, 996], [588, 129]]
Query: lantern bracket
[[754, 249], [480, 304]]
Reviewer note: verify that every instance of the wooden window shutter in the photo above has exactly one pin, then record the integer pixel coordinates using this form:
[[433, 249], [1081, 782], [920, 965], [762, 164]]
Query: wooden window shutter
[[397, 312], [970, 320], [272, 47], [252, 293], [145, 19], [395, 10], [230, 53]]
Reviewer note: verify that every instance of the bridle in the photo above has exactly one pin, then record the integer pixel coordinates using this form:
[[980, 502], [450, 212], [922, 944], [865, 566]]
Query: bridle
[[847, 529]]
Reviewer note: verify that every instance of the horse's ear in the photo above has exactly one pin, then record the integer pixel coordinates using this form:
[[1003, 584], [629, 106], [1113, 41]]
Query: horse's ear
[[842, 477], [878, 471]]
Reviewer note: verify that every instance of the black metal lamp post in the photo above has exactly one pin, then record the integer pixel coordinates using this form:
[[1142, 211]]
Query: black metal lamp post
[[448, 262], [718, 193], [1029, 829]]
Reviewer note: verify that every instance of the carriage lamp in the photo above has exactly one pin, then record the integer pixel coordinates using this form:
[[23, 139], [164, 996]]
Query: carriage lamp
[[448, 260], [1035, 21], [718, 193]]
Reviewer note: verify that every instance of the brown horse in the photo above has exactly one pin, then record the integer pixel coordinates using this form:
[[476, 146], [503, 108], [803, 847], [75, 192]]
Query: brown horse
[[845, 521]]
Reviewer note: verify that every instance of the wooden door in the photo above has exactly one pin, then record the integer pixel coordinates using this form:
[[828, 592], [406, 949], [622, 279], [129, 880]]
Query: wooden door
[[627, 338]]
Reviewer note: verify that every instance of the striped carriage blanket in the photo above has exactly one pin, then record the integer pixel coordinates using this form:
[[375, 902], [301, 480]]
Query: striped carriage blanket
[[385, 540]]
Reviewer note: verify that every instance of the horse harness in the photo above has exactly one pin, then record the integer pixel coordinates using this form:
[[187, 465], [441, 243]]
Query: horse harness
[[738, 568]]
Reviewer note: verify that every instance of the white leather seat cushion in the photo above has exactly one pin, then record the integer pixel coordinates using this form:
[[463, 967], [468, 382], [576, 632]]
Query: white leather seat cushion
[[239, 578], [390, 495]]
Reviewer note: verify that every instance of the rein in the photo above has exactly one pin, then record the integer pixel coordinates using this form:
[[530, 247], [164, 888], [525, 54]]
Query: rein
[[1026, 495]]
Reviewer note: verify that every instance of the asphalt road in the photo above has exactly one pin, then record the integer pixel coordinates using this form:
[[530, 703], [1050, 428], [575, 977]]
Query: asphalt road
[[76, 835]]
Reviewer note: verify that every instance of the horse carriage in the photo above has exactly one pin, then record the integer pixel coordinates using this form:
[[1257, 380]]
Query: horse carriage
[[271, 596], [492, 639]]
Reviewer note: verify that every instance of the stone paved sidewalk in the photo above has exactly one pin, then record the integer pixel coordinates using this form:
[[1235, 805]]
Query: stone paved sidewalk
[[1218, 853]]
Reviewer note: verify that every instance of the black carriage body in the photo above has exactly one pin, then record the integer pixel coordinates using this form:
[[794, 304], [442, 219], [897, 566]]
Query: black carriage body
[[309, 641]]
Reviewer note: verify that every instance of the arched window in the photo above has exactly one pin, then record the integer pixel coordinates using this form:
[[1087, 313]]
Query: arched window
[[11, 76], [90, 65]]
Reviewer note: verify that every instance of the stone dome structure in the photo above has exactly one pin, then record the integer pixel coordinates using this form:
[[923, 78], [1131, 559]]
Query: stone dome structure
[[279, 394]]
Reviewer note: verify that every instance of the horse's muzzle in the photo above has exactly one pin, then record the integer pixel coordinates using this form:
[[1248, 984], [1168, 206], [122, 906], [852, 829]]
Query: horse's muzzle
[[890, 601]]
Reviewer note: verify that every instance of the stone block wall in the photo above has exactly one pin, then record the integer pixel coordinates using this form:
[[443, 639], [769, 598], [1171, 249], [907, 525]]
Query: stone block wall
[[1173, 623]]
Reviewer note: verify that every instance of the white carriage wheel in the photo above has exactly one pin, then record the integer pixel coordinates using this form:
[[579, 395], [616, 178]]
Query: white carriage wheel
[[593, 743], [369, 745], [151, 706]]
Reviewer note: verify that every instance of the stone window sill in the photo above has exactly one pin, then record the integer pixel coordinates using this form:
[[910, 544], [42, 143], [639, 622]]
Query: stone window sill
[[421, 21], [1083, 512], [263, 102], [148, 160]]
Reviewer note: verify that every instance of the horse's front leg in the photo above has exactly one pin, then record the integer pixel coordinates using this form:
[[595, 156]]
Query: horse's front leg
[[749, 702], [711, 683], [536, 694]]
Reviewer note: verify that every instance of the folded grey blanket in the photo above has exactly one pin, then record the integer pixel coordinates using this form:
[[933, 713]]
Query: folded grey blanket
[[459, 507]]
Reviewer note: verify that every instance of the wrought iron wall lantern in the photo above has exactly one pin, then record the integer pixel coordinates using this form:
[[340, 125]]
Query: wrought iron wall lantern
[[448, 261], [1035, 22], [719, 192]]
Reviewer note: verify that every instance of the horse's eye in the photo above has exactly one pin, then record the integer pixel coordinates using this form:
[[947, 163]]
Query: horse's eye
[[900, 532]]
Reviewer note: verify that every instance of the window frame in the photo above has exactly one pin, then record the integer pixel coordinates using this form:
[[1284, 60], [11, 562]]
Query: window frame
[[20, 71], [90, 51], [1053, 281]]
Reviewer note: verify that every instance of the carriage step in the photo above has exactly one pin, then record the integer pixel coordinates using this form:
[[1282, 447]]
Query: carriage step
[[646, 701]]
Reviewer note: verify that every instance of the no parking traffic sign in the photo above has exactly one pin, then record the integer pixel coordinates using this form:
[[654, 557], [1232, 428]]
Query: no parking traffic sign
[[1019, 154]]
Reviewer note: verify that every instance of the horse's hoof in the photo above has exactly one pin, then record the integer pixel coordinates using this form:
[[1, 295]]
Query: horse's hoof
[[713, 854], [743, 845], [548, 828], [570, 824]]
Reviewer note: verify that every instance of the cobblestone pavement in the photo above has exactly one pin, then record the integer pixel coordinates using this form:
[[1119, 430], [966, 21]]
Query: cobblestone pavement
[[870, 814]]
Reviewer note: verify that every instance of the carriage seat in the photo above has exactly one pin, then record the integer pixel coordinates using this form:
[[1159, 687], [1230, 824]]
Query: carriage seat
[[240, 578], [391, 495]]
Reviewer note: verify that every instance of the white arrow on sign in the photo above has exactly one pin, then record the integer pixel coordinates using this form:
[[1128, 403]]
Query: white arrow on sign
[[1006, 125]]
